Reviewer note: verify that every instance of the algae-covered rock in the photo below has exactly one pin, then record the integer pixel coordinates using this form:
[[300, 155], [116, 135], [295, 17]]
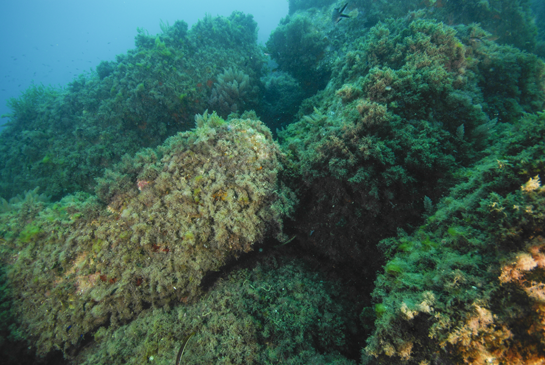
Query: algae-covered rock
[[62, 140], [170, 216], [307, 43], [311, 39], [277, 312], [381, 136], [507, 22], [299, 50], [468, 286], [409, 104], [281, 99]]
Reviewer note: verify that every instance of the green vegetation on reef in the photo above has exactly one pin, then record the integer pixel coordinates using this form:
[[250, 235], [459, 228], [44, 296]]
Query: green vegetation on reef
[[9, 335], [61, 140], [538, 8], [412, 173], [298, 50], [408, 105], [507, 22], [307, 43], [477, 295], [281, 99], [276, 312], [173, 214]]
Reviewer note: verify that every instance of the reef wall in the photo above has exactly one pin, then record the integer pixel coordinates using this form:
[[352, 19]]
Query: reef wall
[[468, 286]]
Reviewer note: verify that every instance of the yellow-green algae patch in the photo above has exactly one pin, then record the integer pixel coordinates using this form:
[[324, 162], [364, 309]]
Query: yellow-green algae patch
[[144, 240]]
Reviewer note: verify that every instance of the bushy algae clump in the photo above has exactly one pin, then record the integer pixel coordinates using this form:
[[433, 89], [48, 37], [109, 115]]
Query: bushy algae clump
[[167, 217], [277, 312], [307, 43], [299, 50], [468, 286], [507, 22], [233, 92], [407, 105], [282, 97]]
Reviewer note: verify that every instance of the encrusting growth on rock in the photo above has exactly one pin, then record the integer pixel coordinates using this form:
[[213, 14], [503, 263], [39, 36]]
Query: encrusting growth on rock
[[209, 194]]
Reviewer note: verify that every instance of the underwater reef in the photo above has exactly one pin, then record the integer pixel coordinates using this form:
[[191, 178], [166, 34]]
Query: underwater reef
[[307, 43], [282, 97], [398, 219], [406, 107], [172, 215], [278, 310], [61, 140], [468, 285]]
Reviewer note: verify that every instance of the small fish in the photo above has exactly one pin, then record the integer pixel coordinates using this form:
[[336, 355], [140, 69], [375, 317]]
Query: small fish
[[492, 38], [182, 348], [338, 14], [288, 241]]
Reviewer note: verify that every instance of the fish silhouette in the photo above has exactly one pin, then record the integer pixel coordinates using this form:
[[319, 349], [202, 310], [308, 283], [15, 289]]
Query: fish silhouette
[[338, 14]]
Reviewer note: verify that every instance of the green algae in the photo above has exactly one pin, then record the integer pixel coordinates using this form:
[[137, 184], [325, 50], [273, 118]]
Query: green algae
[[29, 233]]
